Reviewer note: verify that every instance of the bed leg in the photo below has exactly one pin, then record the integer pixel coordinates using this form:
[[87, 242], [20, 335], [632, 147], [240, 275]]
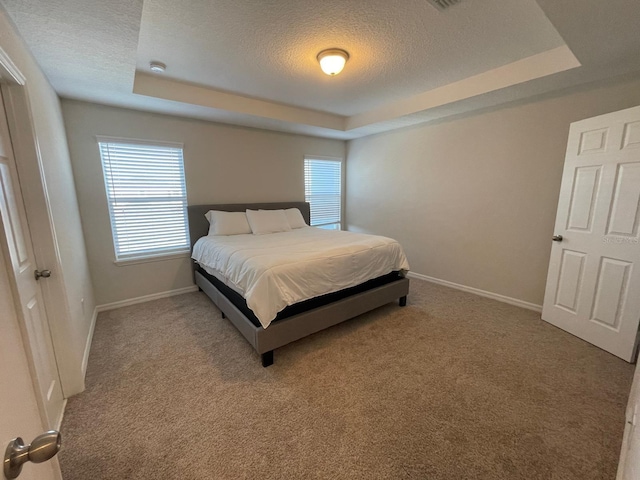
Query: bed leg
[[267, 358], [403, 301], [222, 313]]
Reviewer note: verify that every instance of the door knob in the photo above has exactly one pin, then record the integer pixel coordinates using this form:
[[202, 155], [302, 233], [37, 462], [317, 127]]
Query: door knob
[[43, 448], [557, 238], [41, 274]]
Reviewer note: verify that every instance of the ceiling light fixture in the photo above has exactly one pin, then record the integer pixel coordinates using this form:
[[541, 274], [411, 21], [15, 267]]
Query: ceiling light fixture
[[157, 67], [332, 60]]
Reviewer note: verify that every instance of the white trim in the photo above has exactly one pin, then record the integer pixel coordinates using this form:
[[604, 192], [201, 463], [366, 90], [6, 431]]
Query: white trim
[[58, 422], [152, 258], [87, 346], [37, 202], [477, 291], [145, 298], [9, 69], [324, 157], [138, 141]]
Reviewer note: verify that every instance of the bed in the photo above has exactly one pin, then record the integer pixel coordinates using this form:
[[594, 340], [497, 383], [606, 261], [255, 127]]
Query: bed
[[296, 320]]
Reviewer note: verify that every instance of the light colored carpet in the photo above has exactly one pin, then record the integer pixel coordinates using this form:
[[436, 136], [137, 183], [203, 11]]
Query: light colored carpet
[[453, 386]]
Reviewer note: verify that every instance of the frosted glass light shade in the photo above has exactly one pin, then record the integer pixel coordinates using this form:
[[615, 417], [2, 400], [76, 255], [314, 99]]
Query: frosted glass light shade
[[332, 61]]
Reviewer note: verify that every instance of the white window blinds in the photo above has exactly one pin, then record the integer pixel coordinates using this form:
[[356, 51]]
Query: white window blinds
[[147, 197], [323, 190]]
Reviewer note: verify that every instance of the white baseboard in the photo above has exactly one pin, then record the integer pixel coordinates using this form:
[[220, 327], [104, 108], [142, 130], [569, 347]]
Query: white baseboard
[[145, 298], [477, 291], [87, 347]]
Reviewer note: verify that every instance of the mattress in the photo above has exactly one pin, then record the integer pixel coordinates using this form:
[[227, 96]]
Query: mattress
[[276, 270]]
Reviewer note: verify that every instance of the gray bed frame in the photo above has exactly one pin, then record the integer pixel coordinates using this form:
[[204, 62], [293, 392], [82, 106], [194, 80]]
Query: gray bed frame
[[293, 328]]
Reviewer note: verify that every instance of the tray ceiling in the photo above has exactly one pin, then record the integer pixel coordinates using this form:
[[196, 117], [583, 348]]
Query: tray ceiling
[[253, 63]]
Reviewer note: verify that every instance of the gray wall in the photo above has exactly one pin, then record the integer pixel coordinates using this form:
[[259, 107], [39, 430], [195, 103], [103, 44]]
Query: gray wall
[[69, 318], [473, 200], [223, 164]]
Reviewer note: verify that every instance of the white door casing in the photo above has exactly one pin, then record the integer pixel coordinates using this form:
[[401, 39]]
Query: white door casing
[[629, 465], [18, 251], [593, 284], [29, 162]]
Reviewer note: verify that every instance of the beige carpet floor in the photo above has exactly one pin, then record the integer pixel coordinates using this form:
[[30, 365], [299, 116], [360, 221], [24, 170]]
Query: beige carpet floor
[[453, 386]]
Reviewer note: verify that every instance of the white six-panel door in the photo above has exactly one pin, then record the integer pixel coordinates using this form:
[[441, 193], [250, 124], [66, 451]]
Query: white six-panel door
[[17, 247], [593, 285]]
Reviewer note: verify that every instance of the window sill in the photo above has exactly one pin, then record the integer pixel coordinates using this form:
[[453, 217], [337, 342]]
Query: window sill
[[155, 258]]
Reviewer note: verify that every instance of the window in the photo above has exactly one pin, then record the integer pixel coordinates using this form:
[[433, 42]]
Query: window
[[147, 197], [323, 190]]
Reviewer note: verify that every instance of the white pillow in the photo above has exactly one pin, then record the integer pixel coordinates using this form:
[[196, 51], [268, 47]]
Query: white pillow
[[295, 218], [267, 221], [227, 223]]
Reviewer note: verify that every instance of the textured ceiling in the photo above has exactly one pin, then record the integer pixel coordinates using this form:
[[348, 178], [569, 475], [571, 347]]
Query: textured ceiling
[[85, 47], [398, 48], [253, 63]]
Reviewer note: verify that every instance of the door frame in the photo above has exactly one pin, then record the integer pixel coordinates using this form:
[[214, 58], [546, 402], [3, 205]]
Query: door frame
[[15, 90], [17, 110], [11, 77]]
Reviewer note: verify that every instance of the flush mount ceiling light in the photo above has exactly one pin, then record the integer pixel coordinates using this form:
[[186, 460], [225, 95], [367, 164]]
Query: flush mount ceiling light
[[157, 67], [332, 60]]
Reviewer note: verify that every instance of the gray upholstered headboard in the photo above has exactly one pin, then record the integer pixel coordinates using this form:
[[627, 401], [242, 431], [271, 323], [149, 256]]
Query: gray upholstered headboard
[[199, 226]]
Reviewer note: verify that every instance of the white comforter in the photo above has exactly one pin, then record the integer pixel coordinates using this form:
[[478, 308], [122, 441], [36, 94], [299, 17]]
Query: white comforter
[[279, 269]]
